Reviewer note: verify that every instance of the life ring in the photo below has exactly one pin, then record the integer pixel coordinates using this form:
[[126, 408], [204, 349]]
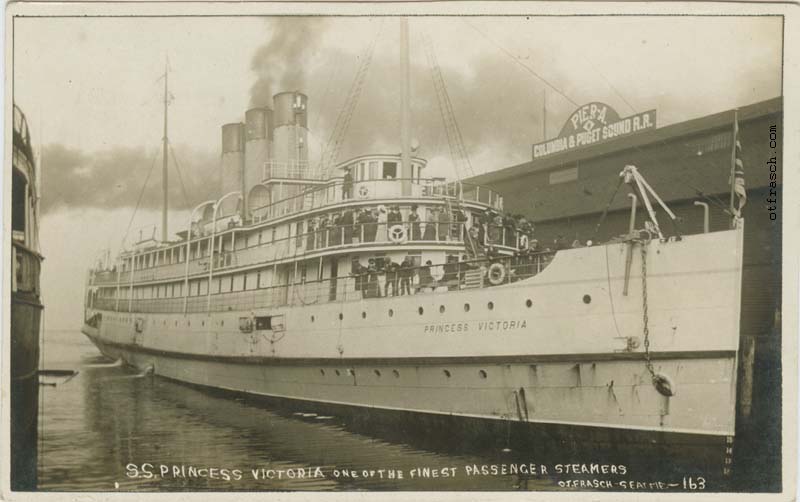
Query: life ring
[[523, 241], [497, 274], [363, 192], [398, 234]]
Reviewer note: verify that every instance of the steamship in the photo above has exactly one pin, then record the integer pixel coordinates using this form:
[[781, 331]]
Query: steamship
[[26, 306], [285, 288]]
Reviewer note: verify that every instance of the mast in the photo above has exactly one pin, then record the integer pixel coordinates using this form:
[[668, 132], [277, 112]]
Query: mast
[[405, 100], [165, 205]]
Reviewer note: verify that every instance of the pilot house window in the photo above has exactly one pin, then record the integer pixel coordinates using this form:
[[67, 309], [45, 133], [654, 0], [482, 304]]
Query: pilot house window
[[389, 170]]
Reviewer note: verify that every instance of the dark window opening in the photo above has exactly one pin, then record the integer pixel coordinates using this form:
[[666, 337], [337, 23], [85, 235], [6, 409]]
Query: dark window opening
[[264, 322], [389, 170]]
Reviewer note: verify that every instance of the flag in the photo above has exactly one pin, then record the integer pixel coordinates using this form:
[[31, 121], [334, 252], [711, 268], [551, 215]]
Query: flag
[[738, 172]]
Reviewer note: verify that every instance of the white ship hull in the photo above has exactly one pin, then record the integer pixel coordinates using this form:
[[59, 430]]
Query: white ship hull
[[574, 355]]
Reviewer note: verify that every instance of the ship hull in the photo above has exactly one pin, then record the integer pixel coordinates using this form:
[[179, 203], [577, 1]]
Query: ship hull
[[382, 404], [25, 321]]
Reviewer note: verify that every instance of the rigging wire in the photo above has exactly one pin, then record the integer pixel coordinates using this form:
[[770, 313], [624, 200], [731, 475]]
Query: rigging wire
[[141, 194], [180, 177], [520, 63]]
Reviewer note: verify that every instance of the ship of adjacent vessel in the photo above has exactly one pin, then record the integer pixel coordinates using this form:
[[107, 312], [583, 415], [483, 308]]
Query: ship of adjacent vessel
[[366, 285], [26, 307]]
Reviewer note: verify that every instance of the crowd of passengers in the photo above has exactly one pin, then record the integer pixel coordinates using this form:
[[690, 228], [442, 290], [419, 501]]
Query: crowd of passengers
[[371, 224], [384, 277]]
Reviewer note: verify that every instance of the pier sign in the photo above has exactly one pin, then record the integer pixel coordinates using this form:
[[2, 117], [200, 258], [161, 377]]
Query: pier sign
[[591, 124]]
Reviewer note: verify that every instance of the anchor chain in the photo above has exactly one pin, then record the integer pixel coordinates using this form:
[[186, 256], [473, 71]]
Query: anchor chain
[[647, 360], [662, 383]]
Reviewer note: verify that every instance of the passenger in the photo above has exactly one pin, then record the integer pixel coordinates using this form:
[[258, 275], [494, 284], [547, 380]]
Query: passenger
[[371, 226], [392, 269], [450, 276], [406, 273], [413, 219], [312, 225], [394, 217], [373, 288], [347, 222], [444, 224], [496, 230], [382, 219], [322, 232], [425, 277], [361, 227], [347, 185], [458, 226], [359, 271], [430, 225], [336, 231], [510, 231]]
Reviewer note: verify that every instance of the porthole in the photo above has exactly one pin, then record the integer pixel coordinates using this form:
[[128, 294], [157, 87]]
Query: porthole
[[312, 318], [341, 316], [363, 315], [322, 372], [351, 372], [528, 303], [466, 307], [421, 311], [377, 373], [176, 323], [587, 299], [396, 373], [188, 323], [441, 309], [222, 323], [337, 372], [391, 312], [482, 374], [446, 373], [490, 305], [202, 323]]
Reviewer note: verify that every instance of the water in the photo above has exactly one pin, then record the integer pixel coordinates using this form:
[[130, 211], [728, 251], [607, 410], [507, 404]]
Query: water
[[98, 431]]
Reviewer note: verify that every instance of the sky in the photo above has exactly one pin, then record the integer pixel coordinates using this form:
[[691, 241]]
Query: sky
[[94, 99]]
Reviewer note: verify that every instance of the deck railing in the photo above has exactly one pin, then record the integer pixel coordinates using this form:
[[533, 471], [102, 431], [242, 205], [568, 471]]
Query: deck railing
[[311, 243], [390, 189], [361, 285]]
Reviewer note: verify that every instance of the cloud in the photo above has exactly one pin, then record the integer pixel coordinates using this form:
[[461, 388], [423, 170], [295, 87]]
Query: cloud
[[114, 178]]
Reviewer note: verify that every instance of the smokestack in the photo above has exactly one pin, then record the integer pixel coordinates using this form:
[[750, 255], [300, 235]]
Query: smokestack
[[290, 135], [257, 149], [233, 158]]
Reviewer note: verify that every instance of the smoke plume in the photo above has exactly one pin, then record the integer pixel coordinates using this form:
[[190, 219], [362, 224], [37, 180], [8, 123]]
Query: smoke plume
[[281, 64]]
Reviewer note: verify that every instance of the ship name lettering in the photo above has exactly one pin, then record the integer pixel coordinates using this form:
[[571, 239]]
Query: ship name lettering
[[298, 473], [501, 325], [452, 327]]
